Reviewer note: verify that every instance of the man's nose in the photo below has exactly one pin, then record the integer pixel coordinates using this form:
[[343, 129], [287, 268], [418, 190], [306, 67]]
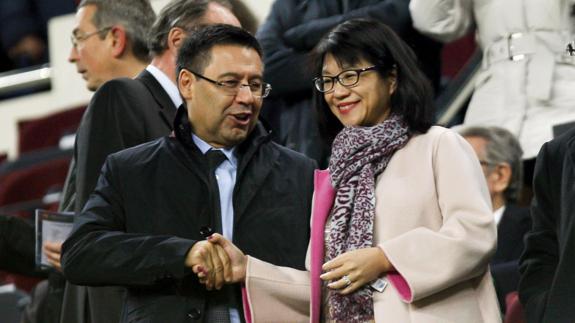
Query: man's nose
[[245, 95], [73, 57]]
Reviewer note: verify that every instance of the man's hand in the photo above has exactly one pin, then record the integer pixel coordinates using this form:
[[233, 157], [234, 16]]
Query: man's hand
[[238, 261], [53, 251], [353, 269], [210, 263]]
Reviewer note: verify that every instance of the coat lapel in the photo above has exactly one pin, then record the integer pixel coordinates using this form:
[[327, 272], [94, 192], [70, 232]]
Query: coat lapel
[[250, 179], [167, 110], [323, 198]]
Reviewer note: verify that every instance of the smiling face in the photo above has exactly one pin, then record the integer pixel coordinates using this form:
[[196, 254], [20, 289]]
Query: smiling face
[[220, 119], [365, 104]]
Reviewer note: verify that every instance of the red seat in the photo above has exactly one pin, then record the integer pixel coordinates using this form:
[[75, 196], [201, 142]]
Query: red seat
[[33, 182], [22, 190], [47, 131], [514, 313]]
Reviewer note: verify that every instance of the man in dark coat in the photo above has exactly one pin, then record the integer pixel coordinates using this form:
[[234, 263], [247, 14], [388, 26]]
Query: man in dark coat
[[291, 30], [124, 112], [500, 155], [109, 41], [547, 266], [144, 224]]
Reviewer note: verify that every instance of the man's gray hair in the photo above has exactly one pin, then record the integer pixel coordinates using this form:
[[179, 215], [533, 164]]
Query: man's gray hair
[[185, 14], [501, 147], [136, 16]]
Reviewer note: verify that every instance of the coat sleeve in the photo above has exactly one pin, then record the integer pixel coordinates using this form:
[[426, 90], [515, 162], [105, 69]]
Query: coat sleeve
[[394, 13], [276, 294], [443, 20], [541, 256], [17, 246], [110, 125], [428, 261], [100, 252], [285, 65]]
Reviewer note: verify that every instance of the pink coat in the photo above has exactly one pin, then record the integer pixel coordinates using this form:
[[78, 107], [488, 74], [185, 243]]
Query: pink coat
[[434, 223]]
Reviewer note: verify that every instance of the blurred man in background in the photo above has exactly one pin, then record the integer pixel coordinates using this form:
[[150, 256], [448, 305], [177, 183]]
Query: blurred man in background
[[500, 153]]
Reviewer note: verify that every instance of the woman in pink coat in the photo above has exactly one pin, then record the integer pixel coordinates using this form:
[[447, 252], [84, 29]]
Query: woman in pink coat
[[401, 228]]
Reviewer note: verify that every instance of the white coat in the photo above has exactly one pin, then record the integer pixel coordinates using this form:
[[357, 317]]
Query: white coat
[[527, 81]]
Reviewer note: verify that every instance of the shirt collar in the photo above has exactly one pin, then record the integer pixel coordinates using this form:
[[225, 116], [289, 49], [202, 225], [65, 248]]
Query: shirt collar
[[498, 214], [166, 84], [204, 147]]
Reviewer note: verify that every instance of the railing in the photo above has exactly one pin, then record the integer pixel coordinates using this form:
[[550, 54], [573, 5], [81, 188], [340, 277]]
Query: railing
[[452, 103], [33, 78]]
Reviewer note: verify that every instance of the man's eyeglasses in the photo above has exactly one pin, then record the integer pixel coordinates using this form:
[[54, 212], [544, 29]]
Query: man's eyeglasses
[[347, 78], [76, 39], [258, 88]]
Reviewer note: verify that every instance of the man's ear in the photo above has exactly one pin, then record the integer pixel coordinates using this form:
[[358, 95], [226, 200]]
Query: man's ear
[[502, 174], [185, 81], [119, 41], [176, 36]]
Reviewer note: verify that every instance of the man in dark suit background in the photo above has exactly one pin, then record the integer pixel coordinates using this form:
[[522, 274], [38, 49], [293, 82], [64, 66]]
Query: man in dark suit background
[[547, 266], [124, 112], [142, 227], [499, 153]]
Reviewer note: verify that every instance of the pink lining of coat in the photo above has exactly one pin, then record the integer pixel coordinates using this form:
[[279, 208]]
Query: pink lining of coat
[[400, 285], [324, 195], [246, 304]]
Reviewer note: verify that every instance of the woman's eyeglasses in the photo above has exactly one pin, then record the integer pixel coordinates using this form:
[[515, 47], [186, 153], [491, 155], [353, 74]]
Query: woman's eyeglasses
[[347, 78]]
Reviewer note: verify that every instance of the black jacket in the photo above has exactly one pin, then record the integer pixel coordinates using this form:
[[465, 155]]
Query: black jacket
[[123, 113], [547, 286], [515, 222], [149, 206], [17, 246]]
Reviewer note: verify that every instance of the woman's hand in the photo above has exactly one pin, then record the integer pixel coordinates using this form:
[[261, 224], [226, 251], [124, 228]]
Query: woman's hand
[[238, 261], [359, 267], [210, 263]]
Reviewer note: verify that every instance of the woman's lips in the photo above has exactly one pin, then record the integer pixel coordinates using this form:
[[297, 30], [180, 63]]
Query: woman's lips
[[346, 107]]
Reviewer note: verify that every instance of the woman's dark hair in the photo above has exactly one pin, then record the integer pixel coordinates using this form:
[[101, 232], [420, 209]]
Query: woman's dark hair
[[376, 43]]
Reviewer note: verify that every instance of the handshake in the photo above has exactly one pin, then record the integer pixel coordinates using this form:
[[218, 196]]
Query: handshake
[[216, 261]]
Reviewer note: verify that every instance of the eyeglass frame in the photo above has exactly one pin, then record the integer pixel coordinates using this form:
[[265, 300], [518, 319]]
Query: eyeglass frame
[[76, 39], [358, 72], [266, 87], [490, 165]]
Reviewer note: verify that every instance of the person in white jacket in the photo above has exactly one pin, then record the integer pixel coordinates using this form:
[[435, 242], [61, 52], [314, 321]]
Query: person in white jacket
[[526, 82]]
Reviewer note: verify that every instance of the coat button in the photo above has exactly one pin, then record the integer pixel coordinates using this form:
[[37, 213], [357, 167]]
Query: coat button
[[194, 313]]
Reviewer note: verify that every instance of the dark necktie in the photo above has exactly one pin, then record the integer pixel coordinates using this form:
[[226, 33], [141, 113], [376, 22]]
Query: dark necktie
[[218, 301], [215, 158]]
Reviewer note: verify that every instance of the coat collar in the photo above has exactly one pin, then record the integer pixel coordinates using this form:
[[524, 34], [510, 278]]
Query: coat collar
[[183, 132], [256, 157]]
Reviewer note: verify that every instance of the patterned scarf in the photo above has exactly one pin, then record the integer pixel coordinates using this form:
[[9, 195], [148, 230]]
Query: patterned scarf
[[359, 155]]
